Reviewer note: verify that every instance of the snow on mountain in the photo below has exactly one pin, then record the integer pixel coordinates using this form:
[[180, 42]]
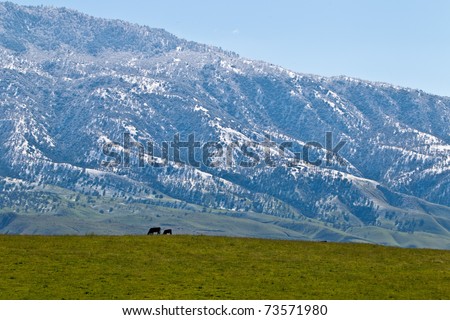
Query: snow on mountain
[[74, 88]]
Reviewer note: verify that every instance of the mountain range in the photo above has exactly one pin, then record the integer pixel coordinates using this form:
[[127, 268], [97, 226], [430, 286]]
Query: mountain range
[[109, 127]]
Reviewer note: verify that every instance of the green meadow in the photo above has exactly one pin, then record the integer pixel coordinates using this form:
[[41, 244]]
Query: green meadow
[[202, 267]]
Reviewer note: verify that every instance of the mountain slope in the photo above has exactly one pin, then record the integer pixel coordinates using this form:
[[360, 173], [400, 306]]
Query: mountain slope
[[76, 90]]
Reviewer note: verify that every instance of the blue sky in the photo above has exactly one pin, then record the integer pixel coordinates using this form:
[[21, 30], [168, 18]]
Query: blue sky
[[401, 42]]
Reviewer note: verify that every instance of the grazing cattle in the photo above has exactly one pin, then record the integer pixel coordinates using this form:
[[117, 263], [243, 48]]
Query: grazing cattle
[[154, 230], [168, 231]]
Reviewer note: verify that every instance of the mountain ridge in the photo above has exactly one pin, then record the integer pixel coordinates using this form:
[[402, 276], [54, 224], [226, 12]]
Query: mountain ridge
[[60, 107]]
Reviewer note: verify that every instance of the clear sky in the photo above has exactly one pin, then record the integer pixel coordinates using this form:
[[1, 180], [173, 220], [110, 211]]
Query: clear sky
[[403, 42]]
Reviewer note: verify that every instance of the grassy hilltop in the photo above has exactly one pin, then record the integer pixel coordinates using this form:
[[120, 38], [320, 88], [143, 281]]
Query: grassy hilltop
[[200, 267]]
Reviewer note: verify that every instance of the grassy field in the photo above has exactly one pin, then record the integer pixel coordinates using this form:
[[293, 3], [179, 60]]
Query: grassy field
[[200, 267]]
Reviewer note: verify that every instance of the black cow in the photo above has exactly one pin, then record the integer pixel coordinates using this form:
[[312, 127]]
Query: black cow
[[168, 231], [154, 230]]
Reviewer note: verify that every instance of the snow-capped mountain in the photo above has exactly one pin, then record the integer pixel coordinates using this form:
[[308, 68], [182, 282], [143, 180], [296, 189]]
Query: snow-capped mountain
[[90, 107]]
